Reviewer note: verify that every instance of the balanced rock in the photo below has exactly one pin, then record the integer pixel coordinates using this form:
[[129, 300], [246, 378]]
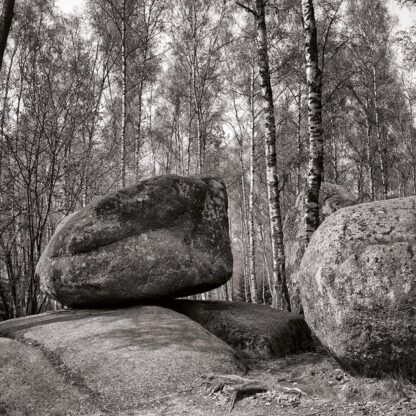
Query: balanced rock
[[164, 237], [358, 286], [331, 198], [118, 362], [254, 330]]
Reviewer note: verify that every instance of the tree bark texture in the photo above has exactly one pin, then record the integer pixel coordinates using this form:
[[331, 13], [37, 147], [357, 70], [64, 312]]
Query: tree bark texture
[[313, 78], [252, 237], [378, 135], [124, 95], [6, 19], [276, 224]]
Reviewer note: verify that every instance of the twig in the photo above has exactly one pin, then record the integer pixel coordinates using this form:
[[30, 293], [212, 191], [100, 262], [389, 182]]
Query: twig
[[216, 388], [231, 377], [246, 8], [293, 390]]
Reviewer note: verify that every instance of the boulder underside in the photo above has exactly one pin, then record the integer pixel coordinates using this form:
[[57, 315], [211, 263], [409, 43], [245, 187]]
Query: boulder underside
[[257, 331]]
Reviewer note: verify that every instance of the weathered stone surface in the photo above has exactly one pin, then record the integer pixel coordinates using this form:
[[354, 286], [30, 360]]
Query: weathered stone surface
[[162, 238], [331, 198], [122, 360], [32, 385], [358, 286], [255, 330]]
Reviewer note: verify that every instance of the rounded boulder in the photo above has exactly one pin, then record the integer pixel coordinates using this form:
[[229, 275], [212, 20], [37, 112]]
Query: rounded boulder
[[332, 197], [358, 286], [164, 237]]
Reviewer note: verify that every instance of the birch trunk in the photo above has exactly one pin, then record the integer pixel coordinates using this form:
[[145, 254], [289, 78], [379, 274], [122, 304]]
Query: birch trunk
[[6, 19], [3, 116], [335, 155], [412, 147], [245, 229], [188, 168], [299, 143], [265, 261], [243, 241], [252, 241], [378, 135], [124, 95], [137, 142], [196, 96], [313, 78], [369, 158], [276, 225]]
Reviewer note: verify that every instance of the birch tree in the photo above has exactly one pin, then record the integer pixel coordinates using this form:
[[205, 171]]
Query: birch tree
[[257, 9], [6, 18], [47, 102], [199, 35], [252, 230], [316, 157], [370, 46]]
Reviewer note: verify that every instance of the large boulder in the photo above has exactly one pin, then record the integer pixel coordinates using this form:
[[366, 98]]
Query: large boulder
[[90, 362], [165, 237], [331, 198], [358, 286], [254, 330]]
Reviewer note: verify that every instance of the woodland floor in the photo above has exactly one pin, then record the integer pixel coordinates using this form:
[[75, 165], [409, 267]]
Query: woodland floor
[[309, 384]]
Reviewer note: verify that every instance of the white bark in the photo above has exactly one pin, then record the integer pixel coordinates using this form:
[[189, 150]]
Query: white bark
[[281, 298], [378, 135], [252, 241], [124, 96], [313, 77]]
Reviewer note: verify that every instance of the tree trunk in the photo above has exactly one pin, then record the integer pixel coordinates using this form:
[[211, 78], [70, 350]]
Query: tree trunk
[[3, 116], [335, 155], [252, 241], [299, 144], [196, 97], [369, 157], [378, 135], [263, 244], [137, 142], [276, 225], [190, 114], [124, 95], [6, 19], [313, 77], [244, 234], [244, 247]]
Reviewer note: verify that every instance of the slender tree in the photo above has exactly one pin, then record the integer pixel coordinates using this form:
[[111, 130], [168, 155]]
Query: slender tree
[[252, 230], [273, 187], [6, 18], [316, 157]]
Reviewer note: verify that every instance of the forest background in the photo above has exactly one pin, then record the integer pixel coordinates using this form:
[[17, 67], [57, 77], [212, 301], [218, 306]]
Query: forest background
[[123, 90]]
